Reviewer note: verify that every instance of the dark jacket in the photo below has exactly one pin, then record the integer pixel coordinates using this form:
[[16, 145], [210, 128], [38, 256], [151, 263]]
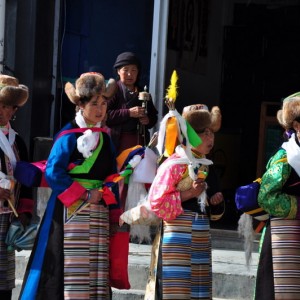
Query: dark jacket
[[118, 119]]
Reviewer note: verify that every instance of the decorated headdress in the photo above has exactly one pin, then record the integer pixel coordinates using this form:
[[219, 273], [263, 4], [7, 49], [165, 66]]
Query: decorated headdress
[[89, 85], [204, 118], [174, 128], [11, 92], [290, 111]]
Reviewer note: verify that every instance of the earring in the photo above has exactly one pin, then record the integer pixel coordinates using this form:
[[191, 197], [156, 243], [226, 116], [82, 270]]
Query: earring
[[13, 118]]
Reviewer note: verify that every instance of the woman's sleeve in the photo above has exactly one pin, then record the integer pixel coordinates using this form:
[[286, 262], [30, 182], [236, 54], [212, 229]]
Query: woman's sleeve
[[152, 114], [164, 198], [213, 181], [57, 176], [271, 197], [116, 115], [25, 202]]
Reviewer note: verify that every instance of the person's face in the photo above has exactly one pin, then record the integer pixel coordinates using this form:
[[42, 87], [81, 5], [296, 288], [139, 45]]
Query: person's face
[[128, 75], [94, 111], [208, 138], [6, 113]]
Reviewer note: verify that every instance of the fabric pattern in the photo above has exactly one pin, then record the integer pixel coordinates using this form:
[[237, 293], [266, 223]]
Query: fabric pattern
[[86, 255], [286, 258], [163, 195], [270, 197], [7, 258], [186, 250]]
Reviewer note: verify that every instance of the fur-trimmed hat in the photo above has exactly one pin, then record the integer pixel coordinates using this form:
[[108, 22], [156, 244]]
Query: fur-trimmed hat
[[11, 92], [89, 85], [200, 118], [127, 58], [290, 111]]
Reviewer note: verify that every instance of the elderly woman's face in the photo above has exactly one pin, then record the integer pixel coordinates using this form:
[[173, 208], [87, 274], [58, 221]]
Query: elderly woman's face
[[6, 113], [128, 75], [94, 111]]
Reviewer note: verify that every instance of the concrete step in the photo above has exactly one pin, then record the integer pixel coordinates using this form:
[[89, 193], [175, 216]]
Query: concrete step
[[231, 277], [230, 240]]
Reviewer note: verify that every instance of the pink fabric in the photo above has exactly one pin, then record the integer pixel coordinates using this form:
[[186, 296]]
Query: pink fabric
[[25, 205], [164, 198], [71, 194], [42, 166]]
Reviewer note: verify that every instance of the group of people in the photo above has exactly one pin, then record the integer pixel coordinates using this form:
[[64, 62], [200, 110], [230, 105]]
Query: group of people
[[70, 257]]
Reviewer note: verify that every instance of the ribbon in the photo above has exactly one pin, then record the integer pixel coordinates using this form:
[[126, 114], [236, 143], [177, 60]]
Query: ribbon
[[108, 196], [171, 140]]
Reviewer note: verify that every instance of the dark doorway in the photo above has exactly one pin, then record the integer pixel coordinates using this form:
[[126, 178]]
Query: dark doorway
[[261, 62], [94, 33]]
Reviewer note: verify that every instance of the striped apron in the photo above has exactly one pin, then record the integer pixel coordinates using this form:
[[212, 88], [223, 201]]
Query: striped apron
[[7, 258], [285, 236], [86, 259], [186, 258]]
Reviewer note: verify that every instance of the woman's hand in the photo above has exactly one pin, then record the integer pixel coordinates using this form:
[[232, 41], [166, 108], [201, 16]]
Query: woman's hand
[[137, 112], [216, 199], [4, 194], [144, 120], [95, 196], [198, 187]]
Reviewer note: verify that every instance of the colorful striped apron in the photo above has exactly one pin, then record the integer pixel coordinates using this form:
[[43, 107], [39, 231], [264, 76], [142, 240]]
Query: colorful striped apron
[[286, 258]]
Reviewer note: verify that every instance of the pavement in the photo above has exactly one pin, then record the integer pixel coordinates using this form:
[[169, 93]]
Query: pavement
[[232, 279]]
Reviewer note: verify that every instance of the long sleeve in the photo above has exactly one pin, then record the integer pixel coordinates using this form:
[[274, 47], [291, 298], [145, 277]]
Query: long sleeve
[[272, 197], [118, 109], [164, 197], [25, 201], [117, 112], [68, 190]]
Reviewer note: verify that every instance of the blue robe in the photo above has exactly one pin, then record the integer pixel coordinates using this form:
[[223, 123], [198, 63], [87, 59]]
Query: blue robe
[[44, 277]]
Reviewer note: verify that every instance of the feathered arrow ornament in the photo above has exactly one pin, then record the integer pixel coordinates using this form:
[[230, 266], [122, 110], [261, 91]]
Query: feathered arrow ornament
[[173, 128], [172, 91]]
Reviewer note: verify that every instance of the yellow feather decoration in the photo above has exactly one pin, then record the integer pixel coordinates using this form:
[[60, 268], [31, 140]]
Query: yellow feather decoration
[[172, 89]]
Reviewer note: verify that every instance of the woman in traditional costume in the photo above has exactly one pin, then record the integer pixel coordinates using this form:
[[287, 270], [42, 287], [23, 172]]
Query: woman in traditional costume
[[177, 195], [278, 270], [13, 197], [70, 259]]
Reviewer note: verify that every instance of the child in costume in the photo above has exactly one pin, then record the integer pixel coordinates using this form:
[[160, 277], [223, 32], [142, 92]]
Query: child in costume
[[178, 196], [70, 259]]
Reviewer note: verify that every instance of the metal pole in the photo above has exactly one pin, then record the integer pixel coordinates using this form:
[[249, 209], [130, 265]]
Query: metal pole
[[56, 53], [159, 49], [2, 32]]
